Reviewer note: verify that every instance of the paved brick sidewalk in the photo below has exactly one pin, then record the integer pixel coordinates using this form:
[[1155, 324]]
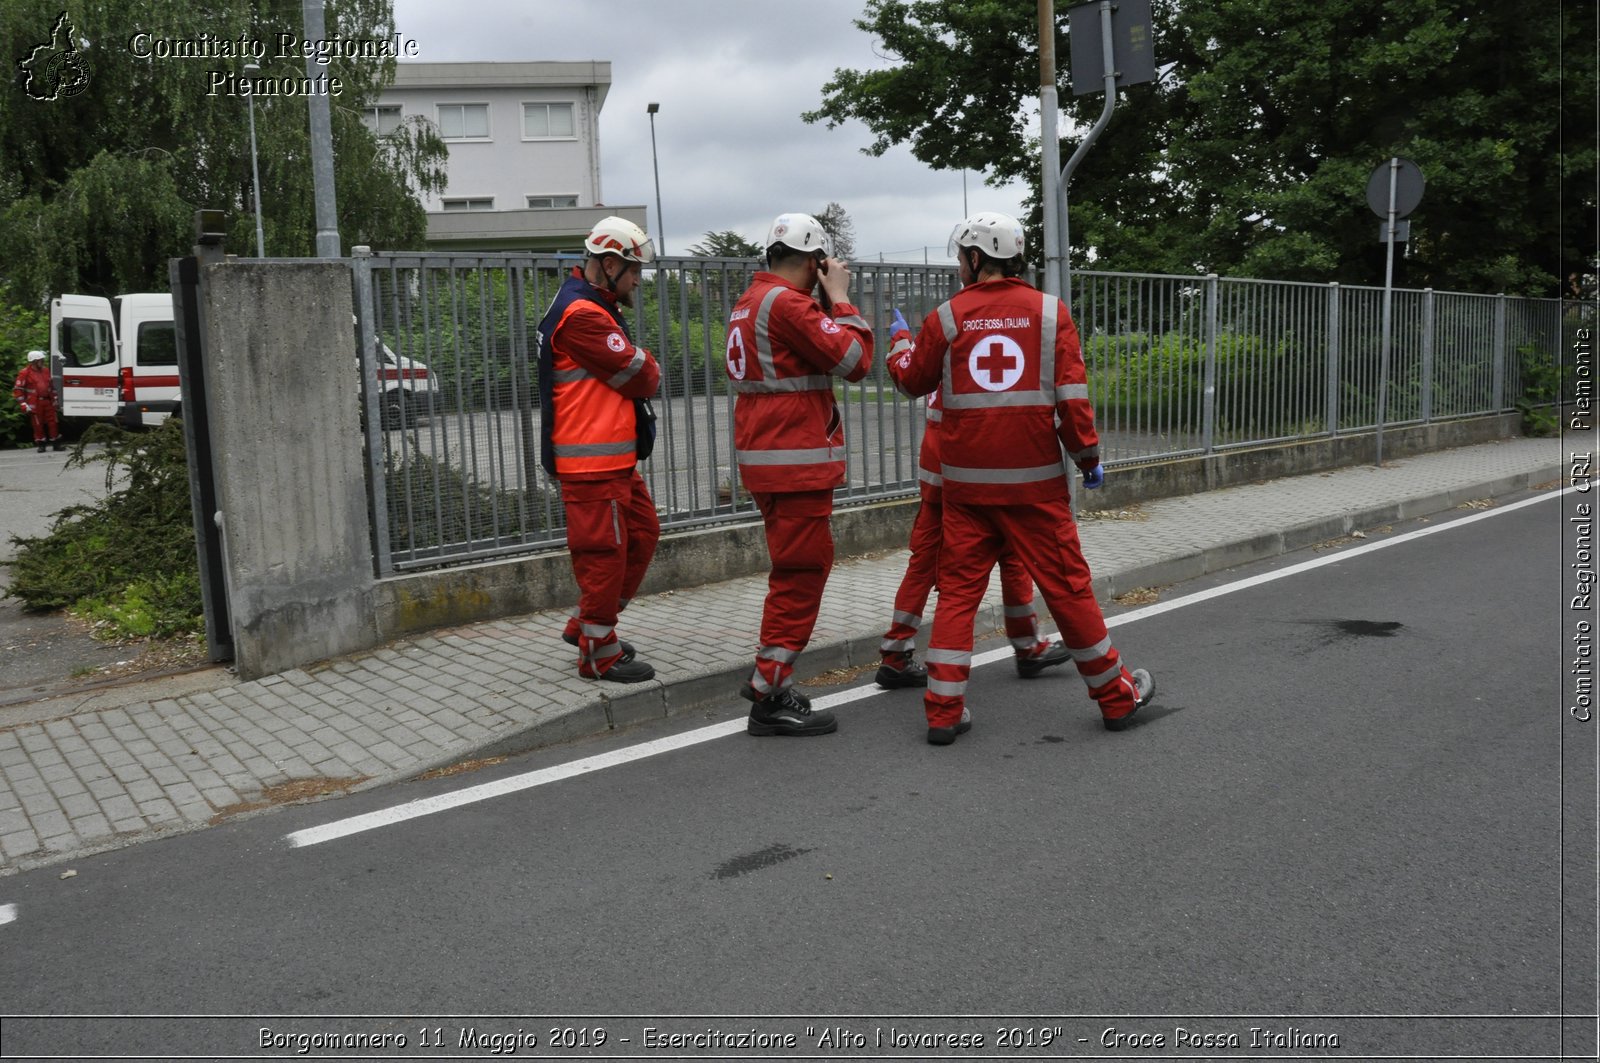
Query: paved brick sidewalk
[[101, 779]]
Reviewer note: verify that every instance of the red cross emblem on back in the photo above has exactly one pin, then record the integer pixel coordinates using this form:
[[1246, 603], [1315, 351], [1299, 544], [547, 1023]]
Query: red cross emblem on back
[[995, 361]]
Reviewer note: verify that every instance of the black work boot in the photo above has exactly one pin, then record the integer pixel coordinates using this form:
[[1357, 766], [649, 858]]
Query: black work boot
[[625, 671], [944, 736], [1043, 655], [786, 712], [900, 670], [1146, 689], [41, 448]]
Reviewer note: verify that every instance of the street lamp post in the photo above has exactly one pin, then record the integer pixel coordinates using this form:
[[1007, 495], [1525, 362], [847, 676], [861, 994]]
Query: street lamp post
[[661, 227], [255, 170]]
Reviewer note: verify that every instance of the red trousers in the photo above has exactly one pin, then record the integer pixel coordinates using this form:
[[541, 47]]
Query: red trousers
[[800, 544], [45, 427], [1044, 536], [922, 571], [612, 532]]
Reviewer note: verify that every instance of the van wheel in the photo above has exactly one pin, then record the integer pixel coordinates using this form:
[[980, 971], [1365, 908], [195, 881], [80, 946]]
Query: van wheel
[[394, 408]]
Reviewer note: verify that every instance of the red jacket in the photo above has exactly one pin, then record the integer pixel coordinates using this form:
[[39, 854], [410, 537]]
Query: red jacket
[[783, 352], [34, 386], [1005, 360]]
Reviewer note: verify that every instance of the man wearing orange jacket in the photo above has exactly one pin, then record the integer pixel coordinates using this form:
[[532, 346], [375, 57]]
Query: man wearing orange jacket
[[35, 392], [594, 385], [785, 347], [1006, 361]]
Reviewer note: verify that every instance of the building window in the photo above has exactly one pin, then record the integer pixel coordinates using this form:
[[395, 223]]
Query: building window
[[474, 203], [382, 120], [464, 121], [547, 121], [551, 202]]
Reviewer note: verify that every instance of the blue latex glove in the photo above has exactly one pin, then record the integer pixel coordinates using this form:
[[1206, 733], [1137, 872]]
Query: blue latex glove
[[1095, 477], [897, 323]]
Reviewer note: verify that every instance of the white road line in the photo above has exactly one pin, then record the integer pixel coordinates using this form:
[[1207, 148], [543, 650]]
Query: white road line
[[428, 805], [8, 914]]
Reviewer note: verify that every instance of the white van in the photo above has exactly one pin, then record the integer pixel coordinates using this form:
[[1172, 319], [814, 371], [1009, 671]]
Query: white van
[[118, 358], [115, 358]]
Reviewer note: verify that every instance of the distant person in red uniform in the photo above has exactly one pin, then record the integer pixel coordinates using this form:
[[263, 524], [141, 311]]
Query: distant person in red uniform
[[1014, 390], [594, 387], [786, 347], [35, 392]]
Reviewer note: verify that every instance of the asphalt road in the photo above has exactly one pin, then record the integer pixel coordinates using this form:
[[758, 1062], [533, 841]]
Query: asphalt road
[[1344, 814]]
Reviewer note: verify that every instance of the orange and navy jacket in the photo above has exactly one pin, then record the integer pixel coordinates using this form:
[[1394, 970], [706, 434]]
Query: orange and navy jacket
[[783, 353], [1005, 361], [34, 385], [592, 382]]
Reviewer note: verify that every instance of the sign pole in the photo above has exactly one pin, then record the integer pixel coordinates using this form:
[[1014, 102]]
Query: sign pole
[[1388, 306]]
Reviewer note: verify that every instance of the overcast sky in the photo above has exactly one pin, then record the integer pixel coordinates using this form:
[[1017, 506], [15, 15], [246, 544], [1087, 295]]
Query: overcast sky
[[732, 78]]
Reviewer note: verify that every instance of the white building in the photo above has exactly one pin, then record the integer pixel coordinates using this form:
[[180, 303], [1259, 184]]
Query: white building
[[524, 138]]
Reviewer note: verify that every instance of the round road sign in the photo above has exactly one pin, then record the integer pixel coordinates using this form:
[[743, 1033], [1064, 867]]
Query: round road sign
[[1408, 184]]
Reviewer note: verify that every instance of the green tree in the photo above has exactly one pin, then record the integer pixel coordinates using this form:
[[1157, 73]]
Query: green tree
[[725, 243], [1249, 155], [98, 188], [834, 219]]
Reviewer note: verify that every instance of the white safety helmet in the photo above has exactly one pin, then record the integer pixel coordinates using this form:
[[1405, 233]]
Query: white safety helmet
[[801, 232], [35, 356], [619, 236], [996, 235]]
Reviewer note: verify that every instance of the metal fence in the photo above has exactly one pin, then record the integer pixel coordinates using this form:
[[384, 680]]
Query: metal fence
[[1178, 366]]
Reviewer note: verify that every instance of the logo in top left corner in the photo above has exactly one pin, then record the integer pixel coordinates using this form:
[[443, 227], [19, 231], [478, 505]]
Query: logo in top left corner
[[55, 69]]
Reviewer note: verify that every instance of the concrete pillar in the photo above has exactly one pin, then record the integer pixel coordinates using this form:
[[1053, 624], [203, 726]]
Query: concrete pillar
[[281, 371]]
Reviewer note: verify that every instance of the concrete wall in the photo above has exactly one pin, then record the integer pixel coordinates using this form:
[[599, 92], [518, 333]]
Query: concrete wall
[[287, 446]]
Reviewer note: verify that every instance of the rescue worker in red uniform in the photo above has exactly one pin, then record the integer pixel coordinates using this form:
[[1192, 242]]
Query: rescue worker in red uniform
[[1006, 362], [36, 394], [785, 348], [898, 668], [597, 424]]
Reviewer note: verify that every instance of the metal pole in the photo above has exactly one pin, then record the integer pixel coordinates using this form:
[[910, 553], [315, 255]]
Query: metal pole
[[1388, 301], [1088, 142], [1050, 142], [255, 169], [661, 226], [321, 140]]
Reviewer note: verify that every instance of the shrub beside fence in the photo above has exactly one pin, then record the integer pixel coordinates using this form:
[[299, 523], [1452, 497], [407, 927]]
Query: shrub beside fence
[[1178, 366]]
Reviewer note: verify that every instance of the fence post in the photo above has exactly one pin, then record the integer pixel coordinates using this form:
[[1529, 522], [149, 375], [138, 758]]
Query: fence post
[[1208, 410], [1427, 355], [1497, 399], [372, 405], [1333, 358]]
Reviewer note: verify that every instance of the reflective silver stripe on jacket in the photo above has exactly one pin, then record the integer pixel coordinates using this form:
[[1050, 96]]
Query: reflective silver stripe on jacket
[[813, 456], [852, 358], [781, 386], [1072, 391], [935, 415], [594, 450], [854, 319], [629, 371], [763, 334], [956, 474], [570, 376], [932, 479]]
